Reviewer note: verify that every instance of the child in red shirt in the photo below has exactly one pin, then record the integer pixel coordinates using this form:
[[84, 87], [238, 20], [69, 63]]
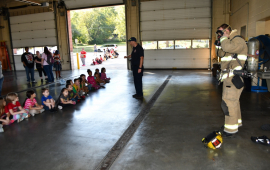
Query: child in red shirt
[[14, 107]]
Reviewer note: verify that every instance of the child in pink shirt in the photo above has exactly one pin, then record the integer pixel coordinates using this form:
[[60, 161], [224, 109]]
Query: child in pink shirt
[[103, 76], [91, 80], [31, 105]]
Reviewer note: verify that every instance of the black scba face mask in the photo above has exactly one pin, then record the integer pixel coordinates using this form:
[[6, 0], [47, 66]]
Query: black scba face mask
[[220, 33]]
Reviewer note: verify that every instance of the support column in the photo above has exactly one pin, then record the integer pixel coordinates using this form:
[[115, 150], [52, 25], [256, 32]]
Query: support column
[[62, 35], [132, 23]]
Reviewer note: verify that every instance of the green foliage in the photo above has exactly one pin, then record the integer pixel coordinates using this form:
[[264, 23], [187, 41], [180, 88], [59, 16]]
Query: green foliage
[[94, 26]]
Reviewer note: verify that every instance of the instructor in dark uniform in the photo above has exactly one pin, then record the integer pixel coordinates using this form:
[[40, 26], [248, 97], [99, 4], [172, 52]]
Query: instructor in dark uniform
[[137, 57]]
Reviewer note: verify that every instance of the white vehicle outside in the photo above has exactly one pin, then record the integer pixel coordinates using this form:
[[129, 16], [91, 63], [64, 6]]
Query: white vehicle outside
[[109, 46]]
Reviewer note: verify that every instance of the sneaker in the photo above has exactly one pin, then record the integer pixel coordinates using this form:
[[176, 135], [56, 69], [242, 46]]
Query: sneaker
[[32, 114], [41, 110], [33, 81], [60, 107], [11, 121], [1, 129], [60, 76], [42, 80]]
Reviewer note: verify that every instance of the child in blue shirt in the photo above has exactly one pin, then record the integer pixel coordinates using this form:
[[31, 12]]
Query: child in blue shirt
[[47, 101]]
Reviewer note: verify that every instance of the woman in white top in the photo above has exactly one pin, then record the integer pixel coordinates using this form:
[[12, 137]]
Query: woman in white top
[[47, 66]]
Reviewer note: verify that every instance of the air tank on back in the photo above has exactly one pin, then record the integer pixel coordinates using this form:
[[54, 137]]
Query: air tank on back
[[253, 55]]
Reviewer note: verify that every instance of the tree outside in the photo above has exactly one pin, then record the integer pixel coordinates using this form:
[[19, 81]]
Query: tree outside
[[99, 26]]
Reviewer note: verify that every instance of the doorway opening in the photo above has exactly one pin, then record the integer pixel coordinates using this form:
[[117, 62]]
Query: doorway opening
[[101, 33]]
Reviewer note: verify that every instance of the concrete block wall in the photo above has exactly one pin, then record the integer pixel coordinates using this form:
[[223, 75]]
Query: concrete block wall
[[255, 14], [220, 15]]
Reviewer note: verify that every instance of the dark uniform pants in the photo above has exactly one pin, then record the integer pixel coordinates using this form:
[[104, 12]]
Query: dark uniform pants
[[138, 81]]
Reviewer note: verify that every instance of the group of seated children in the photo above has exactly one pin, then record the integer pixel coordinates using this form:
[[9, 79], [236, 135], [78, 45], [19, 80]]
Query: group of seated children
[[98, 60], [11, 109]]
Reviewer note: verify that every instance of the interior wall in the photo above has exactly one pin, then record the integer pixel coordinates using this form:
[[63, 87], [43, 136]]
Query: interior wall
[[4, 36], [220, 15], [61, 30], [252, 13]]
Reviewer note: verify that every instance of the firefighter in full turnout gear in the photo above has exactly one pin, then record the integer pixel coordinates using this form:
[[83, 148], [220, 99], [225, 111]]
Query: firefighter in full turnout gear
[[232, 50]]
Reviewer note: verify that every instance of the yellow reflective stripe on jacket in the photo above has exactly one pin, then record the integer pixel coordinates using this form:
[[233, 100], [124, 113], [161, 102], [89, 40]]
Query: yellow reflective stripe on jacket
[[231, 127], [225, 75], [222, 39], [239, 121], [229, 58], [242, 57], [237, 68]]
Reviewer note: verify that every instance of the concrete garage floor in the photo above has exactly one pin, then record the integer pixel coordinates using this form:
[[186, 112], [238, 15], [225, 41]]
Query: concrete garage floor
[[168, 138]]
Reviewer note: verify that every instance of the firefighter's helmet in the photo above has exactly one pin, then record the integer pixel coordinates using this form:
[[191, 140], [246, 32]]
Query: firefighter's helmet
[[213, 140]]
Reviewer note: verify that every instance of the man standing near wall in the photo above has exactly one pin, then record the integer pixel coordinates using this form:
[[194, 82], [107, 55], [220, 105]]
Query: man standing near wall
[[83, 56], [28, 63], [137, 57]]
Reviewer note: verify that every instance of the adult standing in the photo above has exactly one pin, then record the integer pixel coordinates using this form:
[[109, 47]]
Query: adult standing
[[47, 64], [137, 57], [95, 49], [83, 56], [233, 53], [57, 64], [28, 62], [39, 66]]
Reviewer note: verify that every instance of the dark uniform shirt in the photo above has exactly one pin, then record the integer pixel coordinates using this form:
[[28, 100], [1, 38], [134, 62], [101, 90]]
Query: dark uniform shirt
[[136, 54]]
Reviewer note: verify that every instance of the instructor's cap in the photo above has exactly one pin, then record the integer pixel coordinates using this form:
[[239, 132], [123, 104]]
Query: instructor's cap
[[132, 39]]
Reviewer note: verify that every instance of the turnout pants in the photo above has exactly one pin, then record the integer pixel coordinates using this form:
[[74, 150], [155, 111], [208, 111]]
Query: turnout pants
[[138, 81], [231, 106]]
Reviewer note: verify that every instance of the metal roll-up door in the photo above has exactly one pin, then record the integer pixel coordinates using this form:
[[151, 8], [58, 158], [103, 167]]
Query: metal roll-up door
[[71, 4], [34, 30], [174, 20]]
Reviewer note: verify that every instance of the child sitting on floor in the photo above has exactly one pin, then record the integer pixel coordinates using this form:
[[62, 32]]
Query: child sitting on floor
[[99, 81], [31, 105], [72, 96], [69, 82], [84, 84], [64, 98], [94, 62], [91, 80], [97, 71], [47, 101], [103, 76], [5, 117], [14, 107], [77, 89]]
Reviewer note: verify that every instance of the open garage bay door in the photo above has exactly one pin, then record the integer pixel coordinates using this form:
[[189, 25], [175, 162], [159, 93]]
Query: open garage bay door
[[77, 4], [176, 33], [34, 30]]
